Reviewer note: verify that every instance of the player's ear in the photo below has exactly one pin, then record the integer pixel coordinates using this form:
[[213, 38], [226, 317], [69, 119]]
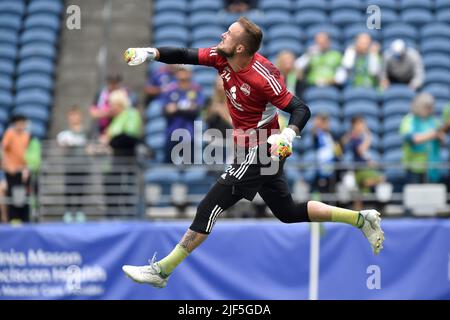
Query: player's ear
[[240, 48]]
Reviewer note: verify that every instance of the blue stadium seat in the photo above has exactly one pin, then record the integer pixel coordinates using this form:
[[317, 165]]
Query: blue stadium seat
[[38, 129], [4, 116], [8, 52], [275, 47], [442, 4], [268, 5], [435, 30], [437, 61], [168, 19], [345, 17], [205, 77], [164, 175], [10, 21], [157, 141], [6, 83], [435, 46], [355, 5], [205, 43], [416, 4], [42, 50], [395, 92], [400, 30], [33, 96], [440, 92], [383, 4], [388, 17], [43, 20], [359, 93], [205, 19], [391, 140], [284, 31], [333, 31], [417, 17], [276, 17], [176, 33], [8, 37], [34, 81], [367, 108], [6, 99], [41, 35], [13, 7], [154, 109], [441, 76], [310, 17], [325, 106], [443, 15], [6, 67], [202, 5], [392, 123], [393, 173], [194, 175], [321, 5], [170, 6], [156, 125], [171, 43], [46, 6], [207, 33], [36, 65], [396, 107], [226, 18], [33, 112], [318, 93]]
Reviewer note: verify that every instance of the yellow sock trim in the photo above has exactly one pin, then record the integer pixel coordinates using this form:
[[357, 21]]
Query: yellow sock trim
[[173, 259], [346, 216]]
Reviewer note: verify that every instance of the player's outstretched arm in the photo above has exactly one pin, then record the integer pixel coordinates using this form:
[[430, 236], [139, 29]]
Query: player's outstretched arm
[[170, 55]]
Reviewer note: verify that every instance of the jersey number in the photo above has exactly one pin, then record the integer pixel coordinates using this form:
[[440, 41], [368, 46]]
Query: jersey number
[[226, 75]]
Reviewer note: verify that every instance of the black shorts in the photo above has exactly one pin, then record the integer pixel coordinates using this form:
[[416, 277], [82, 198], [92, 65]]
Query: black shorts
[[250, 171]]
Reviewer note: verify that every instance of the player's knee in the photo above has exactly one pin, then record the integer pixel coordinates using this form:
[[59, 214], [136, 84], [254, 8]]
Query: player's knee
[[294, 213]]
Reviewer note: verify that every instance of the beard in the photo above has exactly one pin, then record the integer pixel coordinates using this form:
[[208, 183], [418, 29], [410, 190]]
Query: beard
[[226, 53]]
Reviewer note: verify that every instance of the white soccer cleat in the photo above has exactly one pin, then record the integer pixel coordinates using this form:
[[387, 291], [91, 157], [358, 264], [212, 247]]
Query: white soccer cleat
[[150, 274], [372, 229]]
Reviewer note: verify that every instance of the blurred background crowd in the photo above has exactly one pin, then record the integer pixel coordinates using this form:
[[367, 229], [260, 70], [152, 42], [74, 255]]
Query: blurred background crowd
[[380, 100]]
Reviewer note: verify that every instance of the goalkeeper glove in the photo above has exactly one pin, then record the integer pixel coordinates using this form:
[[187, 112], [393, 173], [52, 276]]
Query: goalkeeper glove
[[281, 144], [137, 56]]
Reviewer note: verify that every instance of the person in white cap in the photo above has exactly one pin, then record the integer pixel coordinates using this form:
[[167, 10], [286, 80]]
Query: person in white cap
[[403, 65]]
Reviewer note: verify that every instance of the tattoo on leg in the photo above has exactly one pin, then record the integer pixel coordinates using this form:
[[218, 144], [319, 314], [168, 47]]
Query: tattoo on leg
[[191, 240]]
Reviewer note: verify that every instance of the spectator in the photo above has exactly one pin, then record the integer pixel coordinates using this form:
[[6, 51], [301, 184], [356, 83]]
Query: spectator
[[421, 147], [361, 64], [73, 141], [122, 135], [319, 64], [100, 109], [286, 64], [239, 6], [158, 80], [182, 103], [358, 141], [327, 153], [14, 146], [402, 65], [218, 117]]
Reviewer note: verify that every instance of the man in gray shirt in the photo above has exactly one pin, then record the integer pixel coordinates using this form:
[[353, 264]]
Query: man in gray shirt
[[402, 65]]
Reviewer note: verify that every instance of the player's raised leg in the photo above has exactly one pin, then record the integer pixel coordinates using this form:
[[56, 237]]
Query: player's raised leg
[[277, 196], [157, 273]]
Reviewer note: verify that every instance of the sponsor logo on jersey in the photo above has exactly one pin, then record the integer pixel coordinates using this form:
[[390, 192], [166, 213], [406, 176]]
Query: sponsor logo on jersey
[[245, 88]]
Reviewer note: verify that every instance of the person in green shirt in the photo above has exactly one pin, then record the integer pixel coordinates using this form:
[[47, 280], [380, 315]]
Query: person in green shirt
[[319, 64], [421, 147], [361, 63]]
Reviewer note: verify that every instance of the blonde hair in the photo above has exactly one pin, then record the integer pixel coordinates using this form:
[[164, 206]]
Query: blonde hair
[[120, 96], [421, 101]]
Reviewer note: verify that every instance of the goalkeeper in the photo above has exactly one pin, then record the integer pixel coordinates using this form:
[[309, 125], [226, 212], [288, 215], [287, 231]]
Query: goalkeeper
[[253, 86]]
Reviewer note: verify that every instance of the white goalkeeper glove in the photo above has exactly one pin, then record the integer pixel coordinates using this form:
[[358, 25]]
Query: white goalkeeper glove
[[137, 56], [281, 144]]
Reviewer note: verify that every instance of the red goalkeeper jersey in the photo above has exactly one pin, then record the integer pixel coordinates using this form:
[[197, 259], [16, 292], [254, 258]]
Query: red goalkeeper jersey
[[253, 93]]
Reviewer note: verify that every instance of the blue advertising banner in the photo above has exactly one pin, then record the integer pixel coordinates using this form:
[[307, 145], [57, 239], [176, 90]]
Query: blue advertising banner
[[243, 259]]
